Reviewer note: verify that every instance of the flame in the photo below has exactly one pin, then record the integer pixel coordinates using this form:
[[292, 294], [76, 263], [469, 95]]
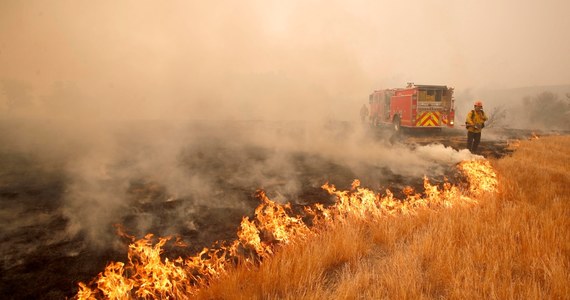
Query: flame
[[481, 176], [364, 203], [272, 224], [147, 275]]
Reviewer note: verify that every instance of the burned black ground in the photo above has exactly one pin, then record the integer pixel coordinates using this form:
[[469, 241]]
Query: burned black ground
[[41, 260]]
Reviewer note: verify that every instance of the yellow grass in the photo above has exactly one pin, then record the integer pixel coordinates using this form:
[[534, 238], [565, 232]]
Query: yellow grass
[[514, 244]]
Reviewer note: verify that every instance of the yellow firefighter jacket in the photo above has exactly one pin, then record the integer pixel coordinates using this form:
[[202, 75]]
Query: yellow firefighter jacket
[[475, 121]]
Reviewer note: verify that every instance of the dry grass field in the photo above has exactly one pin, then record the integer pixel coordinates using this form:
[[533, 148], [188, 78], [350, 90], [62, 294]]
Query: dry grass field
[[513, 244], [502, 232]]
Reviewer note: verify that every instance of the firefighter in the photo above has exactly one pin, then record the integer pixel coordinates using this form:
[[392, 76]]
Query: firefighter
[[474, 123], [363, 113]]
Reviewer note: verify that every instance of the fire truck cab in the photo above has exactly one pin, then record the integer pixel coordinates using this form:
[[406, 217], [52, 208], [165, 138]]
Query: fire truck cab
[[416, 106]]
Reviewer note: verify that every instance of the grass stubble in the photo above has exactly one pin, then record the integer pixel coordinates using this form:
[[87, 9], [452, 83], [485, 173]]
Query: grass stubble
[[514, 244]]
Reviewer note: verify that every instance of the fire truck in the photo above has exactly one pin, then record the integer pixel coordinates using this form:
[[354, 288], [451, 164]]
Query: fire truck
[[414, 107]]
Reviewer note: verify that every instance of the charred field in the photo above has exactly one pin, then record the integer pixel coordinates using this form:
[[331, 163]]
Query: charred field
[[64, 204]]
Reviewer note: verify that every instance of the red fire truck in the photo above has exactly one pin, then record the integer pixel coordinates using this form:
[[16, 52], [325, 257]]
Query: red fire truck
[[416, 106]]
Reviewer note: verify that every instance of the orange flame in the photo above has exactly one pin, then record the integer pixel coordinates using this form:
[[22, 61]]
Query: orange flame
[[481, 176], [272, 225], [146, 275]]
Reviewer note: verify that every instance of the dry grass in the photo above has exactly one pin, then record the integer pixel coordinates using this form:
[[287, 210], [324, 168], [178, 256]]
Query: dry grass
[[514, 245]]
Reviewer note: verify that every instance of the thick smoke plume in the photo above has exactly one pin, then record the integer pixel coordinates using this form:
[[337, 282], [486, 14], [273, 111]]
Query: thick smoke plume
[[115, 173]]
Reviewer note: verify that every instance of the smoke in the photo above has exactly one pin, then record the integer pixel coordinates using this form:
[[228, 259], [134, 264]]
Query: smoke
[[175, 178], [261, 60], [541, 108], [181, 61], [187, 107]]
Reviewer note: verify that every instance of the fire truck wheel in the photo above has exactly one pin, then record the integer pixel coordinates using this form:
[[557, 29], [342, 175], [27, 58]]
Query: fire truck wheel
[[397, 126]]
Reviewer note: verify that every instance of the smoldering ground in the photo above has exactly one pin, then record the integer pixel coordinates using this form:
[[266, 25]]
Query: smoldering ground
[[68, 174], [65, 186]]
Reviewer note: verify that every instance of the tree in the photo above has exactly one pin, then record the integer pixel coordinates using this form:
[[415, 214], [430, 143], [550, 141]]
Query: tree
[[496, 117], [547, 111]]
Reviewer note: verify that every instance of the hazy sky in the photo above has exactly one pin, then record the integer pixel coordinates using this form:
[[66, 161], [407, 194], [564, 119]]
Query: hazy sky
[[272, 59]]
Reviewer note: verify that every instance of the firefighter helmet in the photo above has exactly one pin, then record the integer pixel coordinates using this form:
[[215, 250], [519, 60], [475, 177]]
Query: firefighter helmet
[[478, 103]]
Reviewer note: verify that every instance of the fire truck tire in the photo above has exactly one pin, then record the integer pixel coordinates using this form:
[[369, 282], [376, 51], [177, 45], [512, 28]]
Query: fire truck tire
[[396, 123]]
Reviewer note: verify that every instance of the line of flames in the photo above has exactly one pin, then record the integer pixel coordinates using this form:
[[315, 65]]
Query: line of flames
[[147, 275]]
